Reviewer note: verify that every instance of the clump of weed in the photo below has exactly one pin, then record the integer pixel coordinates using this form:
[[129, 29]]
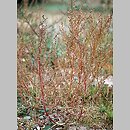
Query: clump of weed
[[63, 75]]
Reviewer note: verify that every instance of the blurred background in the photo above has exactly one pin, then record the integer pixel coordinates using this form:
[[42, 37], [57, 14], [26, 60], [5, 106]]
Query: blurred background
[[54, 5], [55, 10]]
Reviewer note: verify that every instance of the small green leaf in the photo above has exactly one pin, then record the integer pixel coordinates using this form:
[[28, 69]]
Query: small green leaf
[[47, 127], [102, 108]]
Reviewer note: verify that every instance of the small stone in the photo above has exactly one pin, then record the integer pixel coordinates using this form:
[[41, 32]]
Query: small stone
[[42, 117], [38, 128], [60, 128], [23, 60]]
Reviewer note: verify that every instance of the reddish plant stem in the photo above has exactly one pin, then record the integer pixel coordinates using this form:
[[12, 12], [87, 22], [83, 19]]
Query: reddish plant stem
[[81, 113], [72, 73], [42, 88], [80, 65], [85, 85]]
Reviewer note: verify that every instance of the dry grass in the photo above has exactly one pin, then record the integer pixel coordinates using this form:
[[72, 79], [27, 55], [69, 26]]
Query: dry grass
[[58, 72]]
